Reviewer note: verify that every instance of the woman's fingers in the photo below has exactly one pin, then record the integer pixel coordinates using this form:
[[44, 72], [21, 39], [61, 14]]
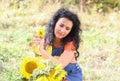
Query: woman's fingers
[[42, 43], [36, 40]]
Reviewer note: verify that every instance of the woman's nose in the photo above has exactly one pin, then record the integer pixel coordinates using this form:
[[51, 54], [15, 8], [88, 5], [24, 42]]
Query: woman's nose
[[62, 30]]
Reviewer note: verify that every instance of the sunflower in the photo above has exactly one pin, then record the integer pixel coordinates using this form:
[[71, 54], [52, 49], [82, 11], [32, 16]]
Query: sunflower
[[42, 78], [60, 76], [57, 73], [41, 33], [28, 65]]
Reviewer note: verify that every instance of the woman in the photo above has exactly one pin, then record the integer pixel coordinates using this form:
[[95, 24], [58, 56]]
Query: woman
[[63, 35]]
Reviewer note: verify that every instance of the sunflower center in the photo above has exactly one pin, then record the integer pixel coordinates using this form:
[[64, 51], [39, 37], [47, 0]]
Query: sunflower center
[[40, 33], [30, 66]]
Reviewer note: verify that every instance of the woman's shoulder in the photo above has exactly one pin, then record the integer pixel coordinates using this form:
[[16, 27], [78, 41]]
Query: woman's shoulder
[[69, 45]]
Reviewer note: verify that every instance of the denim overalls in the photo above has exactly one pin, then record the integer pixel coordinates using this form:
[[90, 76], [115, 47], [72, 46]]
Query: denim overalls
[[73, 69]]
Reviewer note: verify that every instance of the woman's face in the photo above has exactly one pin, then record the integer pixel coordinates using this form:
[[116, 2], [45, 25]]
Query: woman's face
[[63, 28]]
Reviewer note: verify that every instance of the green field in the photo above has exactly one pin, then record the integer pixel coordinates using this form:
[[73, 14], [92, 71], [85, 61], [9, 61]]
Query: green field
[[99, 49]]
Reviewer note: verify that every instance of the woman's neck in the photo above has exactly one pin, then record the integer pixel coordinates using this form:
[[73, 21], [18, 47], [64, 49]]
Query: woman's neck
[[57, 43]]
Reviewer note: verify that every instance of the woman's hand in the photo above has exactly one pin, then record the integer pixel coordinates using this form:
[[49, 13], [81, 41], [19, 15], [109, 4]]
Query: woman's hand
[[36, 40], [37, 44], [43, 52], [41, 45]]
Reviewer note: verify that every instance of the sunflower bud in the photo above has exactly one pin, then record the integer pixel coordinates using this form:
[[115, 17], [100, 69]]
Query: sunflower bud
[[41, 33]]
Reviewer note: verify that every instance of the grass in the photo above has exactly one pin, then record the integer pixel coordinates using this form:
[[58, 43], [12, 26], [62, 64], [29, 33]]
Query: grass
[[99, 49]]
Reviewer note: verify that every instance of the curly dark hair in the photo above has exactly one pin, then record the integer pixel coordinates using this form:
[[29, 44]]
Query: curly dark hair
[[74, 33]]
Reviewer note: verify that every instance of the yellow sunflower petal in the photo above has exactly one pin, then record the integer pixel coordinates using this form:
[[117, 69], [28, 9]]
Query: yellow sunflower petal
[[51, 78], [42, 78], [36, 50], [49, 49], [61, 75]]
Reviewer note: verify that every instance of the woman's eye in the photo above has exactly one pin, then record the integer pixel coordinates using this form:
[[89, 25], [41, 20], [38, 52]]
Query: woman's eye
[[61, 25], [67, 28]]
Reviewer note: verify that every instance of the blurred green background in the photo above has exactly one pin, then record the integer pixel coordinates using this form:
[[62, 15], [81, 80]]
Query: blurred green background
[[100, 46]]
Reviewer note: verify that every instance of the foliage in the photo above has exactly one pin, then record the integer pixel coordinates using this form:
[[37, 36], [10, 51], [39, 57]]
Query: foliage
[[99, 50], [84, 5], [106, 5]]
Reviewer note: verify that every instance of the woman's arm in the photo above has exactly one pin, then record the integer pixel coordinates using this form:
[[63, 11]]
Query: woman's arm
[[65, 58], [68, 54]]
